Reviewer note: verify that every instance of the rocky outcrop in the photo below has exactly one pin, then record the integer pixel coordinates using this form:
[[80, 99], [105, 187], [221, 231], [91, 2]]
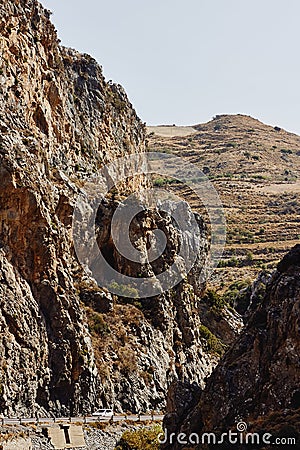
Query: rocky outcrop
[[68, 346], [146, 343], [257, 381]]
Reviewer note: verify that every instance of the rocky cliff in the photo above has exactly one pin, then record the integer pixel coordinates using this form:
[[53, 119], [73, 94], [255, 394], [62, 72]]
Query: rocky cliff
[[67, 345], [59, 121], [257, 381]]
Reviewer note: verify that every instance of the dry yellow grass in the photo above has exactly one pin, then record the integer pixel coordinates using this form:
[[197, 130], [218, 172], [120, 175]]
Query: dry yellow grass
[[256, 170]]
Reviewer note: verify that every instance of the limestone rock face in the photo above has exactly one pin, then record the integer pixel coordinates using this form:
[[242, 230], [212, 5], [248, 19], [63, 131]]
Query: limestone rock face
[[68, 346], [258, 379], [59, 121]]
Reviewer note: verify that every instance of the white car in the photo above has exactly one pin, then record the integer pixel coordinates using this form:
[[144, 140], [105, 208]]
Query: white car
[[106, 413]]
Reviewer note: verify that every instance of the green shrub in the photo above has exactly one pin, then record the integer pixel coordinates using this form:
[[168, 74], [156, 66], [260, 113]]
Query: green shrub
[[124, 291], [163, 181], [142, 439], [232, 262], [98, 325], [238, 293], [210, 342], [213, 299], [249, 256], [260, 177]]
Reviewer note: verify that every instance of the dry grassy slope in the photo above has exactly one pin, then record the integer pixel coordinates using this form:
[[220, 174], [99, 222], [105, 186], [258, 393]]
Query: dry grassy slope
[[256, 170]]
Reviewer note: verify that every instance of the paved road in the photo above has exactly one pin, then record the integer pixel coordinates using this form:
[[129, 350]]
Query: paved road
[[87, 419]]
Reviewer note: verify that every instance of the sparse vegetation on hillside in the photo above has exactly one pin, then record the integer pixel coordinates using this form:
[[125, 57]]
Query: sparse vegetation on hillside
[[255, 168]]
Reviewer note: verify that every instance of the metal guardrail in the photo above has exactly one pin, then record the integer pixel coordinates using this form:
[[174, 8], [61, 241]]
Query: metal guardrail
[[80, 419]]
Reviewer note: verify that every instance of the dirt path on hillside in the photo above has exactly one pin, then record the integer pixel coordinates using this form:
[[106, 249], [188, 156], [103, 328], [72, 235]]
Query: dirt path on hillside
[[171, 131], [279, 188]]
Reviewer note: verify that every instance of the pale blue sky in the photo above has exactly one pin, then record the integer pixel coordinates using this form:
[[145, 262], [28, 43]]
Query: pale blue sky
[[185, 61]]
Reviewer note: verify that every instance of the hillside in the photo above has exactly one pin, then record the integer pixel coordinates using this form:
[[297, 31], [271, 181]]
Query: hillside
[[256, 171]]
